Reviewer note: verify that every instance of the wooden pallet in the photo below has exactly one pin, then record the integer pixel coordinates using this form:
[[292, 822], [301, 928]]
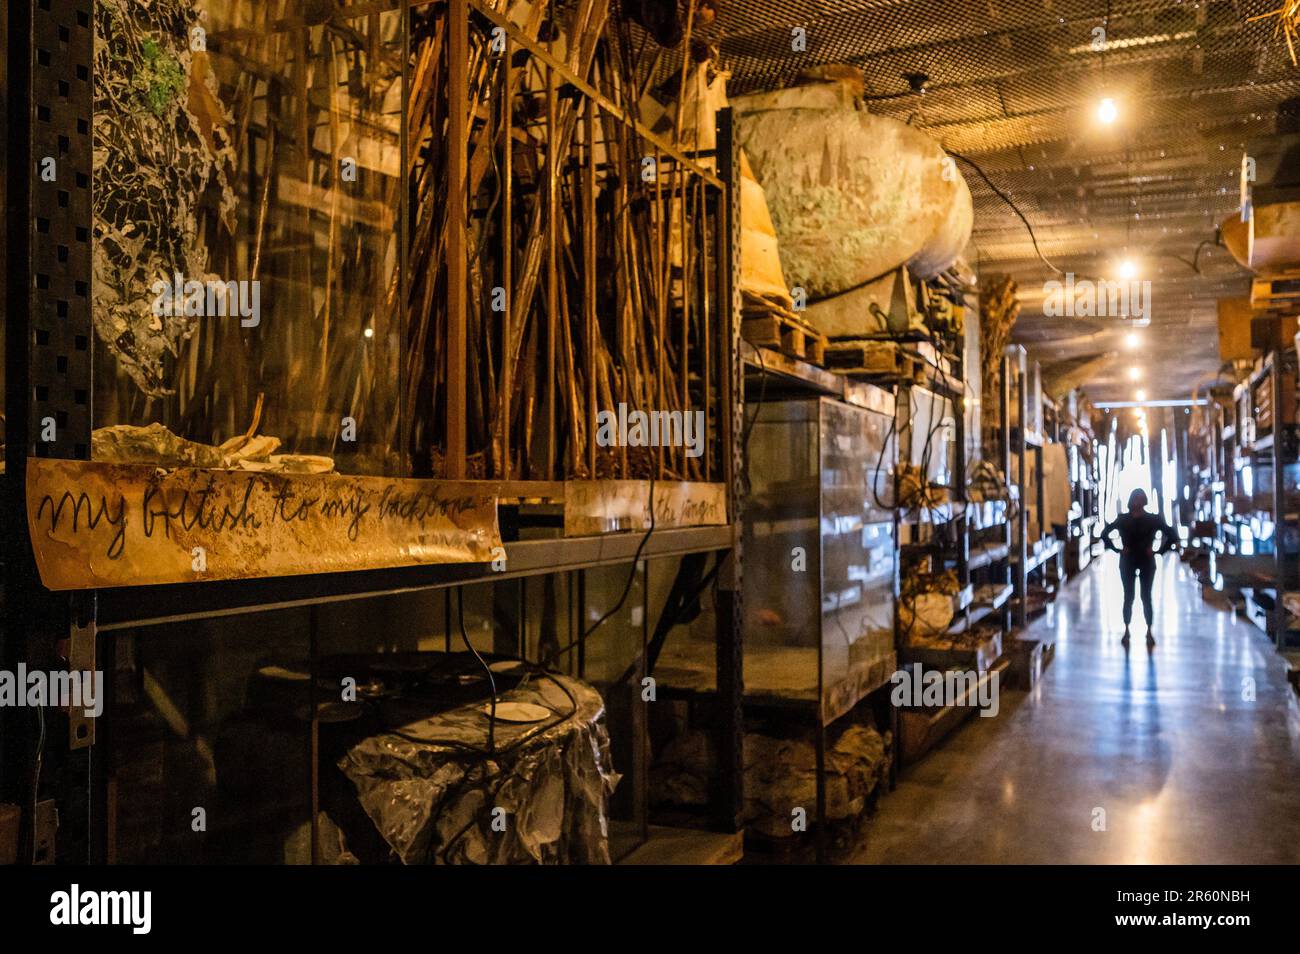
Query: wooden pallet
[[865, 358], [767, 324], [1277, 294]]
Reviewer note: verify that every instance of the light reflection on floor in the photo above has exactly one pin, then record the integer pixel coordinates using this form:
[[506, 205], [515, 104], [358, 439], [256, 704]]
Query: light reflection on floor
[[1168, 747]]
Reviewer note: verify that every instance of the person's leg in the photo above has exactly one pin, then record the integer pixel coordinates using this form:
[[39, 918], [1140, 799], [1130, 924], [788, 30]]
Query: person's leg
[[1148, 573], [1127, 569]]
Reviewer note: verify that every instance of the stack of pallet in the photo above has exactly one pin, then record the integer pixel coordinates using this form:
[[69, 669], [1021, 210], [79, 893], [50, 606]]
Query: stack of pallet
[[769, 323]]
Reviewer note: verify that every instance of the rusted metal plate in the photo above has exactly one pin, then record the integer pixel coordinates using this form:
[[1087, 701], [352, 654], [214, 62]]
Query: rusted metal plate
[[594, 507], [100, 525]]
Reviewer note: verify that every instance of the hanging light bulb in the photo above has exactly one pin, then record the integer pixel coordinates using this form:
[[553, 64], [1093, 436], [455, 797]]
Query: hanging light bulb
[[1141, 395], [1134, 373], [1107, 111], [1127, 269], [1132, 340]]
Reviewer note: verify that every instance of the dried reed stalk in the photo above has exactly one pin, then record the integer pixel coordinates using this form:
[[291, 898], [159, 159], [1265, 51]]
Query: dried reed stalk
[[1288, 24]]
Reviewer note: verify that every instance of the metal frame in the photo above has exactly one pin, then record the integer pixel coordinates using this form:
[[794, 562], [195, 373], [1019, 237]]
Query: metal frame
[[1015, 449], [1277, 367], [48, 62]]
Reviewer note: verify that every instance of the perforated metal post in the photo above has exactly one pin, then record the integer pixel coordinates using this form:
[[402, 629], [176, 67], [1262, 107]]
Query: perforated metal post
[[49, 153]]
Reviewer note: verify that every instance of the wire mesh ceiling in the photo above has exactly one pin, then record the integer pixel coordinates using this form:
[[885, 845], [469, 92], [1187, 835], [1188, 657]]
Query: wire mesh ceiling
[[1015, 85]]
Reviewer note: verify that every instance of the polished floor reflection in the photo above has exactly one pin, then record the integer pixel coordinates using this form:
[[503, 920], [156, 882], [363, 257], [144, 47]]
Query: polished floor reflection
[[1189, 754]]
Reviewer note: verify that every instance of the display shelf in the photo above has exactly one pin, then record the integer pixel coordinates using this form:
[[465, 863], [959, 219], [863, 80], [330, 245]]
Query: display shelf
[[792, 372], [920, 729], [940, 382], [1042, 556], [987, 555], [129, 607], [776, 677], [979, 657], [976, 615], [993, 595], [784, 372], [685, 846]]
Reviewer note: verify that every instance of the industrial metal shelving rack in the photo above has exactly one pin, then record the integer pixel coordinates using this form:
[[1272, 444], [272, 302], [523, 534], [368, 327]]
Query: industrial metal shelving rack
[[983, 583], [1028, 558], [1269, 392], [48, 342]]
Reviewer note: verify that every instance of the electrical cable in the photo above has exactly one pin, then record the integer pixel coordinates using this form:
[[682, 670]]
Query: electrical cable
[[858, 287], [927, 449], [492, 714], [36, 775], [685, 603], [468, 778], [880, 460], [1033, 237], [627, 587], [1195, 263]]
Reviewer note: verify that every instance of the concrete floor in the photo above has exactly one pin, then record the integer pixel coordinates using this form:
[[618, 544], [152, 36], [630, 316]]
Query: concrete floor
[[1185, 766]]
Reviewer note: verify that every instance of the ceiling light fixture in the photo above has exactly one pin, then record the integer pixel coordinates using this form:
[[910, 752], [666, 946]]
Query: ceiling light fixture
[[1128, 43], [1127, 269], [1141, 395], [1134, 373], [1107, 111], [1132, 340]]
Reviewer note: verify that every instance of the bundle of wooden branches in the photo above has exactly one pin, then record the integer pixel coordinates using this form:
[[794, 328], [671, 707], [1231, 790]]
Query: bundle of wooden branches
[[999, 309], [590, 251]]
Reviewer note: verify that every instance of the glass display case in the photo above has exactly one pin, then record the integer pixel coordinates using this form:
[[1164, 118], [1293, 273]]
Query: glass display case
[[819, 553], [929, 435], [245, 232]]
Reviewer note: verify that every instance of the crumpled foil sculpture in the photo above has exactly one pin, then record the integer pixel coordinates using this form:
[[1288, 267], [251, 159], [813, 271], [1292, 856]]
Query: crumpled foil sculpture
[[436, 799]]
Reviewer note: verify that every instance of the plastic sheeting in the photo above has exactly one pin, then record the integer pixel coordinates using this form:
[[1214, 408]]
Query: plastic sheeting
[[437, 797]]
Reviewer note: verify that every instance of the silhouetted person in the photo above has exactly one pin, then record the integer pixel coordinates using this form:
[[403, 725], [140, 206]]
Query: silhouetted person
[[1137, 557]]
